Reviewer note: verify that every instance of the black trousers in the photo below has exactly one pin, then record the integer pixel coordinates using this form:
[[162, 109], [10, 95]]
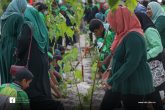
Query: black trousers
[[137, 102], [134, 102], [46, 104], [111, 101], [155, 97]]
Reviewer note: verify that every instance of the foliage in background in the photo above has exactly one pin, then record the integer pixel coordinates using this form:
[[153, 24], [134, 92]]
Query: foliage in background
[[95, 60], [78, 10], [67, 60], [51, 21], [56, 22], [3, 5], [113, 4], [131, 4]]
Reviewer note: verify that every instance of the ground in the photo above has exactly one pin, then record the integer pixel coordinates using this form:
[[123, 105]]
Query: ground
[[71, 102]]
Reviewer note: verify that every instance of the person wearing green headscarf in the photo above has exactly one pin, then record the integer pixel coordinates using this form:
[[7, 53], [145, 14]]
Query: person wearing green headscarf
[[42, 8], [10, 25], [157, 15], [39, 91], [63, 8], [40, 30]]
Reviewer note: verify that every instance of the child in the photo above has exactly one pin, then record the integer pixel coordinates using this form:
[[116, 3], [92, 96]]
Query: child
[[53, 75], [104, 39], [57, 57], [22, 79]]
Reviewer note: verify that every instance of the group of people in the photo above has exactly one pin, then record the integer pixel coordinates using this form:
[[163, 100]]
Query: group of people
[[131, 50], [24, 41], [133, 57]]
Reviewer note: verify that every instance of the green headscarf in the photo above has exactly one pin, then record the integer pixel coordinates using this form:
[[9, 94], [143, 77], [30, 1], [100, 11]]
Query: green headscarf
[[15, 7], [63, 8], [157, 10], [40, 31]]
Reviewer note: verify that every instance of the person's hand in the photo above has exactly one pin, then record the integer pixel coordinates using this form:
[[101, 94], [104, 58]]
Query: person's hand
[[51, 71], [106, 86], [105, 75], [59, 95]]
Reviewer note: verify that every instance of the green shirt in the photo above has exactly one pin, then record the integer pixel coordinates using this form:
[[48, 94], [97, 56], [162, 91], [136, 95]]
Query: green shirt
[[106, 12], [22, 101], [105, 49], [160, 25], [107, 41], [153, 42], [163, 6], [130, 72]]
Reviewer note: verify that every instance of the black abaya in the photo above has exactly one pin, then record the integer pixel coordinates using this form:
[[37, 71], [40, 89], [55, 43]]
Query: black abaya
[[39, 91]]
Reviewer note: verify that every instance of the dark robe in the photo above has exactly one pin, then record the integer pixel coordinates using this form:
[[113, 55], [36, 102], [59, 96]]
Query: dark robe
[[8, 41], [39, 90], [38, 64]]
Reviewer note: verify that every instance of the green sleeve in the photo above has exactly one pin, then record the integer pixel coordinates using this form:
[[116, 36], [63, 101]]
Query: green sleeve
[[6, 90], [133, 45], [154, 42], [109, 39], [160, 24], [23, 99], [163, 6]]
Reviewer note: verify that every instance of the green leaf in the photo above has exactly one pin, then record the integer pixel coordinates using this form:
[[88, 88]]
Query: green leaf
[[63, 88], [94, 70], [78, 74], [69, 31], [113, 4], [67, 67], [74, 53], [131, 4]]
